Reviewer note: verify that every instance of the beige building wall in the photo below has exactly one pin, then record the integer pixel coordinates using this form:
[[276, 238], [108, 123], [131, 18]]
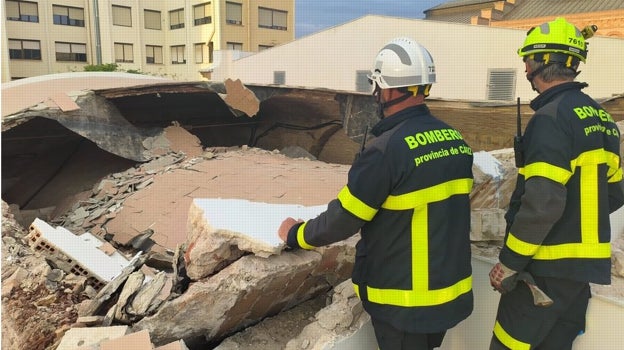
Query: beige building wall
[[196, 43], [464, 56]]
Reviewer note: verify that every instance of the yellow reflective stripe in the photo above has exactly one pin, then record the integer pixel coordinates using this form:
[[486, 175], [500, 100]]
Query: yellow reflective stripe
[[616, 177], [420, 294], [428, 195], [355, 206], [548, 171], [559, 251], [300, 239], [519, 246], [589, 203], [412, 298], [574, 250], [420, 250], [508, 340]]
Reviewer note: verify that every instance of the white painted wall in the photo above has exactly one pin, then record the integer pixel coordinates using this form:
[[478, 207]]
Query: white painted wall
[[462, 53]]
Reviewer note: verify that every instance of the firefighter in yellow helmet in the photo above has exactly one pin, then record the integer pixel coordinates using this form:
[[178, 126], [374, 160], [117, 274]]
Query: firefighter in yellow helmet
[[569, 181], [407, 194]]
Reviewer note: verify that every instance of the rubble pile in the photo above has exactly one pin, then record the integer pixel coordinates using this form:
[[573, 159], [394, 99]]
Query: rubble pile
[[230, 302]]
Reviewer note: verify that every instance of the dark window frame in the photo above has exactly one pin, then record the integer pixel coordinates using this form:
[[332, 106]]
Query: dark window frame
[[159, 19], [67, 20], [202, 20], [153, 57], [70, 56], [25, 54], [123, 25], [24, 18], [273, 25], [178, 25], [124, 47], [177, 47], [227, 15]]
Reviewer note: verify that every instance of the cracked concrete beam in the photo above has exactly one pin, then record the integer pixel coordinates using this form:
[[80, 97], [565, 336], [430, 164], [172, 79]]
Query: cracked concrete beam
[[243, 293]]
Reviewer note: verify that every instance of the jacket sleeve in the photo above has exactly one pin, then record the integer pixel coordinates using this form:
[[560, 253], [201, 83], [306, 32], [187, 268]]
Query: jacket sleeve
[[541, 207], [368, 186], [546, 171]]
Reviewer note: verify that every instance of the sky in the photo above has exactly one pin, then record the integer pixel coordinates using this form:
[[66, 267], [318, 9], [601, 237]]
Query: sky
[[312, 16]]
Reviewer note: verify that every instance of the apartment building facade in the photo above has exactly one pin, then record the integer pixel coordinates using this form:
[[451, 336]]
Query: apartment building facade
[[170, 38]]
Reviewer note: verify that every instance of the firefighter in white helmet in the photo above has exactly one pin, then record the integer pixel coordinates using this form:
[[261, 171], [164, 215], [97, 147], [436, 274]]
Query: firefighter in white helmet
[[408, 195]]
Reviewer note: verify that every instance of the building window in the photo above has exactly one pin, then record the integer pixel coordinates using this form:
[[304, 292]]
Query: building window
[[233, 13], [362, 83], [177, 54], [153, 54], [279, 77], [234, 46], [24, 49], [199, 52], [152, 19], [71, 52], [272, 19], [501, 84], [176, 19], [123, 53], [264, 47], [68, 16], [201, 14], [210, 51], [24, 11], [122, 16]]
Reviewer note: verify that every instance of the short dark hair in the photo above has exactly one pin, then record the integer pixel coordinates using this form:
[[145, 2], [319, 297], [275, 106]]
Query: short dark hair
[[553, 72]]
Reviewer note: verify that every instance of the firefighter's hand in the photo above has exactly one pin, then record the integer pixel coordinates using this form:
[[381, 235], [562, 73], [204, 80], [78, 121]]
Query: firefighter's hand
[[286, 225], [502, 278]]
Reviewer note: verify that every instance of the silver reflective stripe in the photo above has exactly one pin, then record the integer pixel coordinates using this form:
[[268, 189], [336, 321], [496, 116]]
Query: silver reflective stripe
[[399, 51], [403, 81]]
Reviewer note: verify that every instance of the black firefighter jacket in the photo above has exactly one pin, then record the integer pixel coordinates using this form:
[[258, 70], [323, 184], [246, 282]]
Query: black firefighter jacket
[[408, 195], [558, 218]]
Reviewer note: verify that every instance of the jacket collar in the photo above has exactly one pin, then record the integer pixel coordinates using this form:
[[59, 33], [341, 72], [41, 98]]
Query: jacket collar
[[390, 122], [551, 93]]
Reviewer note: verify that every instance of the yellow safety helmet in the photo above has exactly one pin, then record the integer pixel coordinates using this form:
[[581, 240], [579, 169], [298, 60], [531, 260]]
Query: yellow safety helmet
[[556, 41]]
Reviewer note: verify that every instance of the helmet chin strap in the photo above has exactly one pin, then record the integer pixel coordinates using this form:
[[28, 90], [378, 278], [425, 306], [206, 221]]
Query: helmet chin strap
[[381, 106]]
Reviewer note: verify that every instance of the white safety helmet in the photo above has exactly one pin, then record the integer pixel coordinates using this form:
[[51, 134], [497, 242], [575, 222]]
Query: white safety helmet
[[402, 62]]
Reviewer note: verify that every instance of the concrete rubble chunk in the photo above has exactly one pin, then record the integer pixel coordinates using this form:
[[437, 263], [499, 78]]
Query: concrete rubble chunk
[[130, 288], [135, 341], [94, 306], [85, 337], [240, 98], [147, 295], [243, 293], [217, 233], [339, 321]]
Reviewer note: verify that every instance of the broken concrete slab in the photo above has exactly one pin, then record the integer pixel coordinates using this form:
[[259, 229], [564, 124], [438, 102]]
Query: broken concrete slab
[[135, 341], [240, 98], [243, 293], [87, 337], [218, 227], [164, 205], [176, 345]]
